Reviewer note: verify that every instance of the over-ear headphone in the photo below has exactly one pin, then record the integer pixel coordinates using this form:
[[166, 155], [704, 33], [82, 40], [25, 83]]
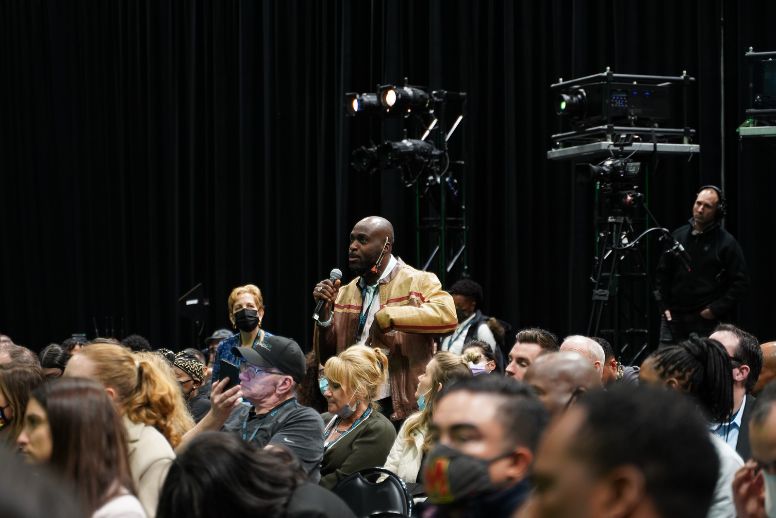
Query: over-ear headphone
[[722, 204]]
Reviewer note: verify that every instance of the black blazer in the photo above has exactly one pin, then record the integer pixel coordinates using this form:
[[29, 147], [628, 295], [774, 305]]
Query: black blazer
[[742, 446]]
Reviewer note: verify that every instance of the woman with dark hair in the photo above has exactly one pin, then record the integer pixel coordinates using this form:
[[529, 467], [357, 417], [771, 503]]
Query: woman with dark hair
[[701, 368], [53, 360], [150, 403], [17, 380], [72, 426], [217, 474]]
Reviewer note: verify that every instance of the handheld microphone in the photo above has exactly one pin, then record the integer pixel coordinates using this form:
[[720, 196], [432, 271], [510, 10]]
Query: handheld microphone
[[334, 275]]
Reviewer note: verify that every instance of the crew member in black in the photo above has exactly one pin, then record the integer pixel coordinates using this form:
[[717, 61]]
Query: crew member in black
[[696, 300]]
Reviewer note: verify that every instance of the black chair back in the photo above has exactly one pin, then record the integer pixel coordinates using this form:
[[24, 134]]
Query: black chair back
[[369, 498]]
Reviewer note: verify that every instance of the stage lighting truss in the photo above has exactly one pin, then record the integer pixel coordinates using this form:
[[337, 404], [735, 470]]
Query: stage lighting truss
[[412, 156], [418, 158]]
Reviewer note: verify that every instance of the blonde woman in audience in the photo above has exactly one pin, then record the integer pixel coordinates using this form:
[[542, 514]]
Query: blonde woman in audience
[[413, 441], [357, 435], [72, 426], [145, 400]]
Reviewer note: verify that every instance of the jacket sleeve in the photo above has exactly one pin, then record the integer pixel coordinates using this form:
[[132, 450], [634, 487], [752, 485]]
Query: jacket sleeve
[[429, 310], [735, 276]]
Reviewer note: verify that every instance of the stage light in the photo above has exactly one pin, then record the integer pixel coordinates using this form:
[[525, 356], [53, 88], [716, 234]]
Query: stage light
[[403, 98], [408, 150], [572, 103], [394, 154], [362, 103]]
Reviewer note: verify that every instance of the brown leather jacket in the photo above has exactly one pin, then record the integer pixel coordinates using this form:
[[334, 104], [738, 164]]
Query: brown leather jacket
[[413, 310]]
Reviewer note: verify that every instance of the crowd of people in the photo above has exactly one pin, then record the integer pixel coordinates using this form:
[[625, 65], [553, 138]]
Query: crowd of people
[[475, 420]]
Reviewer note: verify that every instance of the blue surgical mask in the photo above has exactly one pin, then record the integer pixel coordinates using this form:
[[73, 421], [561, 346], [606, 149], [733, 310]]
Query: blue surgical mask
[[323, 384], [422, 402]]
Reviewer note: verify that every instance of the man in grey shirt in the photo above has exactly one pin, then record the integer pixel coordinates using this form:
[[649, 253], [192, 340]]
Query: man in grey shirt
[[273, 417]]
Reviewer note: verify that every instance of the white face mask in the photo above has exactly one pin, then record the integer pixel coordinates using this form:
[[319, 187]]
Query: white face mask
[[770, 494]]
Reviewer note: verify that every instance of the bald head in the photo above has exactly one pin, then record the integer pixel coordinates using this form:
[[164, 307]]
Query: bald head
[[557, 377], [588, 348], [768, 372], [371, 245], [378, 227]]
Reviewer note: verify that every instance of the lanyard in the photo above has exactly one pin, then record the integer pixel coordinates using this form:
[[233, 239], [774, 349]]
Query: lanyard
[[358, 421], [272, 413], [365, 306]]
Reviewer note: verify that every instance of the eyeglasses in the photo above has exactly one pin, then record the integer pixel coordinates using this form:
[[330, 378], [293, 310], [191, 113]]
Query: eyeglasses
[[256, 371]]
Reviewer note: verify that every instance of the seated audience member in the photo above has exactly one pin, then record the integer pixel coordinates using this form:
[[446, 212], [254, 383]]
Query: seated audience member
[[190, 373], [196, 354], [145, 400], [211, 345], [485, 431], [768, 372], [701, 368], [137, 343], [613, 370], [588, 348], [246, 311], [53, 360], [179, 418], [529, 344], [219, 475], [472, 324], [17, 380], [479, 357], [309, 391], [559, 378], [413, 440], [72, 426], [269, 375], [357, 435], [627, 452], [26, 492], [73, 344], [754, 486], [747, 359], [18, 355]]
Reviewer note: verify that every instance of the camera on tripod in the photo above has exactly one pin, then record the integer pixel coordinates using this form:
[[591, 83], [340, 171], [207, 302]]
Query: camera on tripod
[[618, 184]]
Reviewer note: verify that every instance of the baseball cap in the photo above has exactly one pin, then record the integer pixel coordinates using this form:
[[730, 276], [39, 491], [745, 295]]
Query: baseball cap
[[277, 352], [219, 335]]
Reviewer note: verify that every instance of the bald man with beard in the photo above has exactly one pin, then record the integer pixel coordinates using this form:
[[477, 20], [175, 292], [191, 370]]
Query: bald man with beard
[[389, 305], [559, 378], [768, 372]]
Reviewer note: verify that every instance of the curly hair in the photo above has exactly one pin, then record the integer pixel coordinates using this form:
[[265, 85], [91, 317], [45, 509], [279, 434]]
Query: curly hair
[[145, 387]]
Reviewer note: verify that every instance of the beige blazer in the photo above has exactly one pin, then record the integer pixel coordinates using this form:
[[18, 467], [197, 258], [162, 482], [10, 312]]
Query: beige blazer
[[150, 456], [405, 458]]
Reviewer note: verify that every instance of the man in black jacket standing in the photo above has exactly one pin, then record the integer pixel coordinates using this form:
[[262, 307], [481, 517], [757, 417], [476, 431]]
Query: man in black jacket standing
[[701, 290]]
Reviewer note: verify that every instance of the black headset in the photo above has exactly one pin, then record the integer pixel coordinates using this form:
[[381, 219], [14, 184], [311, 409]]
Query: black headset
[[722, 204]]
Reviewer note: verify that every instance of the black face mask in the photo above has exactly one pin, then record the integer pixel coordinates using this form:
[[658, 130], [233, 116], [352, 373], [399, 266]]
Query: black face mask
[[246, 319], [451, 476]]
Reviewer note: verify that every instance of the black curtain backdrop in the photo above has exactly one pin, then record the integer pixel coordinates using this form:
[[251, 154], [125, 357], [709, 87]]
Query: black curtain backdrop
[[151, 145]]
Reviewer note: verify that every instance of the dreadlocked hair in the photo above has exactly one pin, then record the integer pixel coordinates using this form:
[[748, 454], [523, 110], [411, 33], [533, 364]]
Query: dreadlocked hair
[[703, 369]]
